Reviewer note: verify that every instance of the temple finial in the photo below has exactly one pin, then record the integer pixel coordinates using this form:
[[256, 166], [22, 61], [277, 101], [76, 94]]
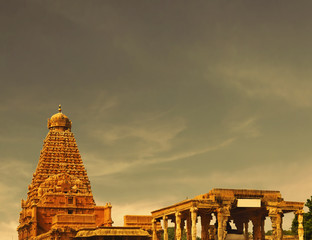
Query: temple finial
[[60, 108]]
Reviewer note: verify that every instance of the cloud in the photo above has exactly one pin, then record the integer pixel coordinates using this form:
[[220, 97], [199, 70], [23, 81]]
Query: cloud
[[95, 163], [8, 230], [192, 152], [263, 81], [102, 103], [20, 168], [149, 127], [246, 127], [13, 173]]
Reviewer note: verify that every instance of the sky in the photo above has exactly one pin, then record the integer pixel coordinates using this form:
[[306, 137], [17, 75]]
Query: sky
[[168, 99]]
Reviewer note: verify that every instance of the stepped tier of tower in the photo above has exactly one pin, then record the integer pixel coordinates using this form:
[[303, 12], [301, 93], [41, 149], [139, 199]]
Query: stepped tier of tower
[[59, 154]]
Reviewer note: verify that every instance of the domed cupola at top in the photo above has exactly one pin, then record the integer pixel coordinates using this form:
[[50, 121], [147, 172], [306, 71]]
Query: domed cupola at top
[[59, 121]]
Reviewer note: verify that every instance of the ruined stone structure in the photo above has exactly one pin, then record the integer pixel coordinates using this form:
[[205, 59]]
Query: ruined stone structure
[[240, 206], [60, 200]]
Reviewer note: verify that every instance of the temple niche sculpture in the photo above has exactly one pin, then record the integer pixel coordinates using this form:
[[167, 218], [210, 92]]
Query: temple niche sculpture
[[237, 205], [59, 201]]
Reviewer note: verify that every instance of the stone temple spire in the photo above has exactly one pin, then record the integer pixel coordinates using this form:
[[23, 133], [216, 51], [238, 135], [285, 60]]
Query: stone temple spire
[[59, 155], [59, 199]]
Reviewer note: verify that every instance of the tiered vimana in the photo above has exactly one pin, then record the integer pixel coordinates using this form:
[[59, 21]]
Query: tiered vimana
[[60, 200]]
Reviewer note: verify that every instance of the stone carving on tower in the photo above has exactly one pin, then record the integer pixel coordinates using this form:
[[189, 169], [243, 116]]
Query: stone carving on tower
[[59, 199]]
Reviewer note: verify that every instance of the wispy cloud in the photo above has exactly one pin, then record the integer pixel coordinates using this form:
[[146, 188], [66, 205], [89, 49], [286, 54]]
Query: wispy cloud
[[8, 230], [246, 127], [102, 103], [16, 166], [192, 152], [95, 162], [13, 172], [151, 128], [264, 81]]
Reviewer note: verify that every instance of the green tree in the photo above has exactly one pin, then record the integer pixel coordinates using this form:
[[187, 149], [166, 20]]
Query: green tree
[[307, 221], [171, 234], [285, 232]]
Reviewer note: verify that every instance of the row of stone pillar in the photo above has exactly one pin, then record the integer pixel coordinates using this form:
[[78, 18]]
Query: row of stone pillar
[[223, 215], [179, 225]]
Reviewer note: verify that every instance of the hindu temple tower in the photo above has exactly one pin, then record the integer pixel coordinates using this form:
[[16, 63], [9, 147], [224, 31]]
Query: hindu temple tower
[[59, 199]]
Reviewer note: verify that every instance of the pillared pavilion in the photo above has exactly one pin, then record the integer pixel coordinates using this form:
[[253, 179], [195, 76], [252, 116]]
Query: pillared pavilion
[[241, 206]]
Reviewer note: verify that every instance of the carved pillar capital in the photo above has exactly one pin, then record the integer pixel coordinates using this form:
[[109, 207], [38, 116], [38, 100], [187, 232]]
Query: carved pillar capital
[[193, 209], [300, 211]]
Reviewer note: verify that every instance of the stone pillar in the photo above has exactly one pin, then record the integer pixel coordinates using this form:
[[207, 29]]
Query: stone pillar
[[182, 226], [279, 225], [165, 220], [239, 224], [154, 229], [220, 225], [272, 215], [300, 224], [246, 233], [205, 222], [188, 227], [193, 218], [262, 227], [178, 233], [256, 227], [276, 216], [223, 216]]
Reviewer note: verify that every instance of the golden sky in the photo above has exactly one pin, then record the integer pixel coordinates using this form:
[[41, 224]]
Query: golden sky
[[168, 99]]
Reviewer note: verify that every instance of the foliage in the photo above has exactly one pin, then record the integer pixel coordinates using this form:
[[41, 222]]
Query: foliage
[[171, 234], [285, 232], [288, 232], [307, 221]]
